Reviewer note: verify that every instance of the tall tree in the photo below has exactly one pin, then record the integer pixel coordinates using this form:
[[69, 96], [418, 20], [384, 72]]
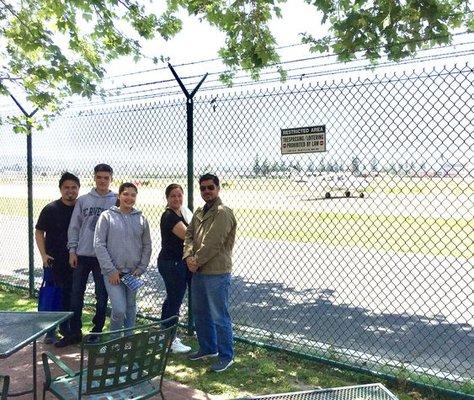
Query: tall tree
[[55, 48]]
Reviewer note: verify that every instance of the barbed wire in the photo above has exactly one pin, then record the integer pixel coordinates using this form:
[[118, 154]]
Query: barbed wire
[[203, 61], [287, 62], [158, 92], [309, 71], [185, 64], [274, 80]]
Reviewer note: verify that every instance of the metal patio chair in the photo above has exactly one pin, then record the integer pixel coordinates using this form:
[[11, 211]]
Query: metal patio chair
[[120, 366]]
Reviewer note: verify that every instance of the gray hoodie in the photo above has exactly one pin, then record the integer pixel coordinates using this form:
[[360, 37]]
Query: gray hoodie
[[122, 241], [84, 217]]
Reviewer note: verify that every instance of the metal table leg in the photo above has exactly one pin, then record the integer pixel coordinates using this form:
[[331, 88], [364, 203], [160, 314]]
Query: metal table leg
[[34, 391], [34, 371]]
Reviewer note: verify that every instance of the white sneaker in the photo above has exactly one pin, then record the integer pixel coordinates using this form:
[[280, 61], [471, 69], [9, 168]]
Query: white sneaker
[[178, 347]]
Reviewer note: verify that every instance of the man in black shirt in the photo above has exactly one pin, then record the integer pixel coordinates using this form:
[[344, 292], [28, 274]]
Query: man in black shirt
[[51, 240]]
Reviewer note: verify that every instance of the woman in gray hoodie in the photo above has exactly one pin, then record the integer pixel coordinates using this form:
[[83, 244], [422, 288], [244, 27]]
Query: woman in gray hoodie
[[123, 246]]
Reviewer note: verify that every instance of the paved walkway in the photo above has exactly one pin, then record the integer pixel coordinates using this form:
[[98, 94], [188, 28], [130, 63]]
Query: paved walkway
[[19, 367]]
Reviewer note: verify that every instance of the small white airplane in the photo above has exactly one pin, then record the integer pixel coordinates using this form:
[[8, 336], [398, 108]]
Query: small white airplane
[[331, 184]]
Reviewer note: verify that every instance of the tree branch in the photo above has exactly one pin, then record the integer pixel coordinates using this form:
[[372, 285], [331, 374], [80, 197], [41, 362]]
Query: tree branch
[[9, 7]]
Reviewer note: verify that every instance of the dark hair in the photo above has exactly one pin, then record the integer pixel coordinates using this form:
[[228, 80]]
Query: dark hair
[[124, 186], [172, 187], [103, 168], [208, 176], [67, 176]]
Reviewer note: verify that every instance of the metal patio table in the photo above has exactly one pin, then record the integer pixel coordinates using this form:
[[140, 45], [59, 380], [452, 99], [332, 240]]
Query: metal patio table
[[375, 391], [18, 329]]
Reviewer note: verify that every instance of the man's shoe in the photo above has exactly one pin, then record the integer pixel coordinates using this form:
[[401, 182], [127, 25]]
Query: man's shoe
[[50, 339], [221, 365], [178, 347], [92, 339], [199, 355], [68, 340]]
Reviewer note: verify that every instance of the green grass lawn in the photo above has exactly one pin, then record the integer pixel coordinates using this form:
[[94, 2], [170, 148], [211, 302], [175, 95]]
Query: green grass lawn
[[256, 370], [447, 237], [431, 236]]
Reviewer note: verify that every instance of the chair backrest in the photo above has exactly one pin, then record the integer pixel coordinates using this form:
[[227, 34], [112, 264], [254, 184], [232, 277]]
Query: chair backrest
[[127, 357], [4, 385]]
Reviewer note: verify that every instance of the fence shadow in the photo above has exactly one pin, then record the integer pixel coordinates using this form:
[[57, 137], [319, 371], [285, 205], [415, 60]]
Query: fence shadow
[[312, 319]]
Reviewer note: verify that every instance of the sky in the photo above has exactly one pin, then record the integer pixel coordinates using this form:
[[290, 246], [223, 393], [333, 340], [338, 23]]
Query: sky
[[199, 41]]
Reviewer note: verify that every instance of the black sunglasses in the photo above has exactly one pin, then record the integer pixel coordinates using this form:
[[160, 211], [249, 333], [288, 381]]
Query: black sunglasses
[[204, 187]]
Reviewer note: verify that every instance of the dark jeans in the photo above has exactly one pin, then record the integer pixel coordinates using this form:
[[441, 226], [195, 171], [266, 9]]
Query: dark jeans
[[63, 278], [85, 266], [177, 278], [62, 275]]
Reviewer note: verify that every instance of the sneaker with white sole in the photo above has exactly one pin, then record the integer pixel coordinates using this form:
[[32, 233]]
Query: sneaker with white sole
[[178, 347], [221, 365], [199, 355]]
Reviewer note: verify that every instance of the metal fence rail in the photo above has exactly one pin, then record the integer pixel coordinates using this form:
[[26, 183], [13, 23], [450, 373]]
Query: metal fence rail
[[361, 255]]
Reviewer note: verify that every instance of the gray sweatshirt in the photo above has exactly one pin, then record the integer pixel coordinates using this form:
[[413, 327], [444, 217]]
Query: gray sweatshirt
[[122, 241], [84, 217]]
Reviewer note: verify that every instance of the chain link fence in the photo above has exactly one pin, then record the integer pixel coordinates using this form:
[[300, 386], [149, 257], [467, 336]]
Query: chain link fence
[[361, 255]]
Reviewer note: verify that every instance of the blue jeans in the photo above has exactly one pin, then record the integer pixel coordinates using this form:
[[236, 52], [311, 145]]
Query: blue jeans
[[85, 266], [177, 277], [124, 305], [210, 305]]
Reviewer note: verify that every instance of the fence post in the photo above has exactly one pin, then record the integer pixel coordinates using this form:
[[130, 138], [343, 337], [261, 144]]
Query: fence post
[[190, 162], [29, 170], [29, 180], [190, 151]]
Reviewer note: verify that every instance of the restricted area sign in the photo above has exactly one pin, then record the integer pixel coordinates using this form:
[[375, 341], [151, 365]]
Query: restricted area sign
[[307, 139]]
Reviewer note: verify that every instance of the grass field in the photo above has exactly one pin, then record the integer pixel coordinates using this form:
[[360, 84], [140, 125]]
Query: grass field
[[435, 236]]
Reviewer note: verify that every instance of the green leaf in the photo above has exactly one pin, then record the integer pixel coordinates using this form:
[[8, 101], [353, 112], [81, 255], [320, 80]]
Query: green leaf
[[35, 34]]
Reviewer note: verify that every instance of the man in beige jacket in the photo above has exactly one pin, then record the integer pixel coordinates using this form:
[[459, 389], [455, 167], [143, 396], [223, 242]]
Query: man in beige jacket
[[208, 248]]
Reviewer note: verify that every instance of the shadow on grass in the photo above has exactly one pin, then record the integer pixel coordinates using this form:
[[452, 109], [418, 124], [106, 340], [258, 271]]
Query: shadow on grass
[[310, 321]]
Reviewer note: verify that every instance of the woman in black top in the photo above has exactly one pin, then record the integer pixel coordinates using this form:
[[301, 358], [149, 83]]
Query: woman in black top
[[170, 260]]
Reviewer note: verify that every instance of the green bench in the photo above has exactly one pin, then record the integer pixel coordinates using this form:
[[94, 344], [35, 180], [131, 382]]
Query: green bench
[[121, 365]]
